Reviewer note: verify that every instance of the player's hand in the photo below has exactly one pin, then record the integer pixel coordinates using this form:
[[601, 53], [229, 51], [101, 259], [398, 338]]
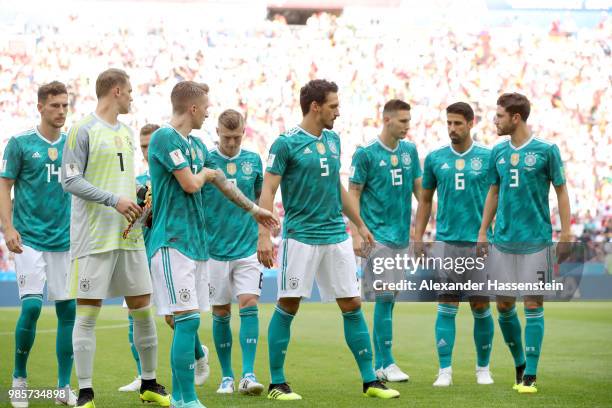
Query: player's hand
[[368, 240], [129, 209], [266, 218], [13, 240], [358, 245], [564, 247], [482, 247], [265, 251]]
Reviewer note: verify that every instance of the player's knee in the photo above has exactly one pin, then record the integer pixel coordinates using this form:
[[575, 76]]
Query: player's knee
[[65, 310], [222, 311], [138, 302], [533, 302], [247, 300], [349, 304], [289, 305], [30, 309], [169, 321], [505, 304], [477, 304]]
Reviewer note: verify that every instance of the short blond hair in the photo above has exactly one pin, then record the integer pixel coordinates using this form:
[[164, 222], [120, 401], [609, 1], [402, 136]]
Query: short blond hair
[[184, 93], [109, 79], [231, 119]]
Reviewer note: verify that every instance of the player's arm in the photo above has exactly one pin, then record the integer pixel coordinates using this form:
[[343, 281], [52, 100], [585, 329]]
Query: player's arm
[[557, 177], [74, 164], [490, 208], [232, 192], [422, 218], [265, 249], [350, 207], [355, 191], [192, 183], [9, 172], [11, 235], [417, 188]]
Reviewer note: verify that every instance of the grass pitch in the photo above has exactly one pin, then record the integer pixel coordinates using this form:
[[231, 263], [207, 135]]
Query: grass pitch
[[575, 368]]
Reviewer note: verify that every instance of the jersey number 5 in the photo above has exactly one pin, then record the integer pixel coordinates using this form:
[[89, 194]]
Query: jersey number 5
[[324, 166]]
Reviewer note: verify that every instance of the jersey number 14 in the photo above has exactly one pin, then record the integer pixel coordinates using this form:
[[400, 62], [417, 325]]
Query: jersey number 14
[[54, 171]]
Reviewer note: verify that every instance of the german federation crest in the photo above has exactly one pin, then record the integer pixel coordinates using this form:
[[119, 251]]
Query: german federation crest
[[200, 154], [321, 148], [459, 164], [514, 159], [52, 153], [530, 159], [332, 146], [247, 168], [406, 160], [476, 163], [394, 160], [231, 168]]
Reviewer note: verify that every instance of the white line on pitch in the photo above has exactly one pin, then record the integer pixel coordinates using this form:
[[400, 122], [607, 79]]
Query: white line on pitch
[[114, 326]]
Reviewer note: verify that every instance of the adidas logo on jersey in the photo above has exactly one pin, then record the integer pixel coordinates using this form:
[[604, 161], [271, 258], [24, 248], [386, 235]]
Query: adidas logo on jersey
[[502, 161], [445, 166], [382, 163], [36, 155], [307, 150], [441, 343]]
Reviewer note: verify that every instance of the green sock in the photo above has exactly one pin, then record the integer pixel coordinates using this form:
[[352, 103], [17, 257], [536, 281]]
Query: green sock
[[358, 339], [383, 330], [445, 333], [25, 332], [176, 385], [199, 353], [484, 329], [534, 334], [132, 346], [65, 311], [279, 334], [222, 336], [511, 330], [249, 335], [377, 353], [185, 329]]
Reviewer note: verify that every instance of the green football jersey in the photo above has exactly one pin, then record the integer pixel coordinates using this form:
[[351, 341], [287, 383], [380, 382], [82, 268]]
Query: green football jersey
[[524, 174], [462, 185], [232, 232], [41, 208], [387, 176], [178, 217], [144, 179], [310, 185]]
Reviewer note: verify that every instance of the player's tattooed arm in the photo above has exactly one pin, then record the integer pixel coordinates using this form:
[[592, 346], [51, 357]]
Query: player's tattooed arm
[[233, 193], [229, 189]]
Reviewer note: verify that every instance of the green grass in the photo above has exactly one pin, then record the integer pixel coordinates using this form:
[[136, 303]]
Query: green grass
[[575, 367]]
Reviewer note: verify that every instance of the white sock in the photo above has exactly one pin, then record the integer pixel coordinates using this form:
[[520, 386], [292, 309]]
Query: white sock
[[145, 340], [84, 343]]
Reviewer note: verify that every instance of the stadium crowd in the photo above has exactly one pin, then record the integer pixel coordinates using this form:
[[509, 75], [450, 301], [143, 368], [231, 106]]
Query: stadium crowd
[[259, 69]]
